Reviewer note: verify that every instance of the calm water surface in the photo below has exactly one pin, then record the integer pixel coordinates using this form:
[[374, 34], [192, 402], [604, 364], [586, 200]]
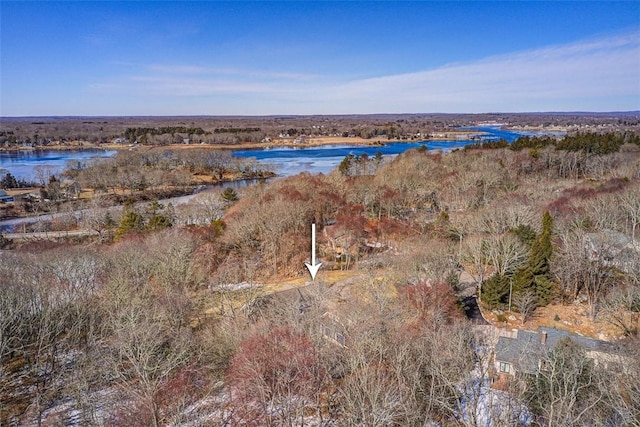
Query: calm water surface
[[25, 164], [291, 161], [285, 161]]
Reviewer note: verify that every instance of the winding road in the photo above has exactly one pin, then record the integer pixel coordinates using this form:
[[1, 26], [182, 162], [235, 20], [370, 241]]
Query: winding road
[[11, 227]]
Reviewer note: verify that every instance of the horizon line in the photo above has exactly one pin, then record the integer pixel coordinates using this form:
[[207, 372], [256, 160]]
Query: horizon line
[[130, 116]]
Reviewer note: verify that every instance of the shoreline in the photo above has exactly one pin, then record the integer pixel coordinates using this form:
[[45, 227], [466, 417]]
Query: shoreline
[[276, 142]]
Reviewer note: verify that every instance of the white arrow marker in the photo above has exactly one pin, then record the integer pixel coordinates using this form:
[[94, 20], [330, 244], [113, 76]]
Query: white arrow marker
[[313, 267]]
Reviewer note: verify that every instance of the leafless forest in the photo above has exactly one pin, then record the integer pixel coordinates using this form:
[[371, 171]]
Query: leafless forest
[[44, 131], [204, 314]]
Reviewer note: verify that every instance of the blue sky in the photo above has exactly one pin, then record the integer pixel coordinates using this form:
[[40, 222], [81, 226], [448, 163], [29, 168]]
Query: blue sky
[[260, 58]]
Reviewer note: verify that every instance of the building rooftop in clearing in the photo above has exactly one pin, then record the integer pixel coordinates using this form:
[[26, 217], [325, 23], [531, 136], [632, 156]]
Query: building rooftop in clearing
[[526, 347], [5, 197], [613, 249]]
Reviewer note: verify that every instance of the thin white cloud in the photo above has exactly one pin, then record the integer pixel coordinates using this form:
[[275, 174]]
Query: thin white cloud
[[238, 72], [558, 77], [599, 74], [178, 69], [178, 86]]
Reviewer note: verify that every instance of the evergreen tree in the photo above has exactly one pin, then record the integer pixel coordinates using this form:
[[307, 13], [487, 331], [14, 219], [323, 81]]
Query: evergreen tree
[[229, 195], [543, 288], [345, 165], [525, 233], [363, 161], [8, 181], [495, 291], [131, 221], [377, 160], [158, 222], [109, 222], [154, 207], [536, 273], [142, 184]]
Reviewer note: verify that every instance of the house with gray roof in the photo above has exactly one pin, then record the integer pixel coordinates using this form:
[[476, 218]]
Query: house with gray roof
[[5, 198], [613, 249], [523, 351]]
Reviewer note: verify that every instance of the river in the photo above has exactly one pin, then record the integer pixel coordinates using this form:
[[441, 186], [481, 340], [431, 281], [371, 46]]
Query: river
[[291, 161], [285, 161], [31, 165], [28, 164]]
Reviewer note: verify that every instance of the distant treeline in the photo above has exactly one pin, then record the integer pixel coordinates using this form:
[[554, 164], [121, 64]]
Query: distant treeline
[[134, 133], [237, 130], [590, 143]]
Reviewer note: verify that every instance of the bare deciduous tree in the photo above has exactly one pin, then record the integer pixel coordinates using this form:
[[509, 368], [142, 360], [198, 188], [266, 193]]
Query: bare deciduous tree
[[579, 271], [143, 354], [274, 379], [505, 253], [568, 389], [621, 307], [474, 253], [630, 204], [526, 303]]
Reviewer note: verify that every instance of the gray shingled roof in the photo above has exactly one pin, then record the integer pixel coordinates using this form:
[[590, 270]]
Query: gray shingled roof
[[525, 350]]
